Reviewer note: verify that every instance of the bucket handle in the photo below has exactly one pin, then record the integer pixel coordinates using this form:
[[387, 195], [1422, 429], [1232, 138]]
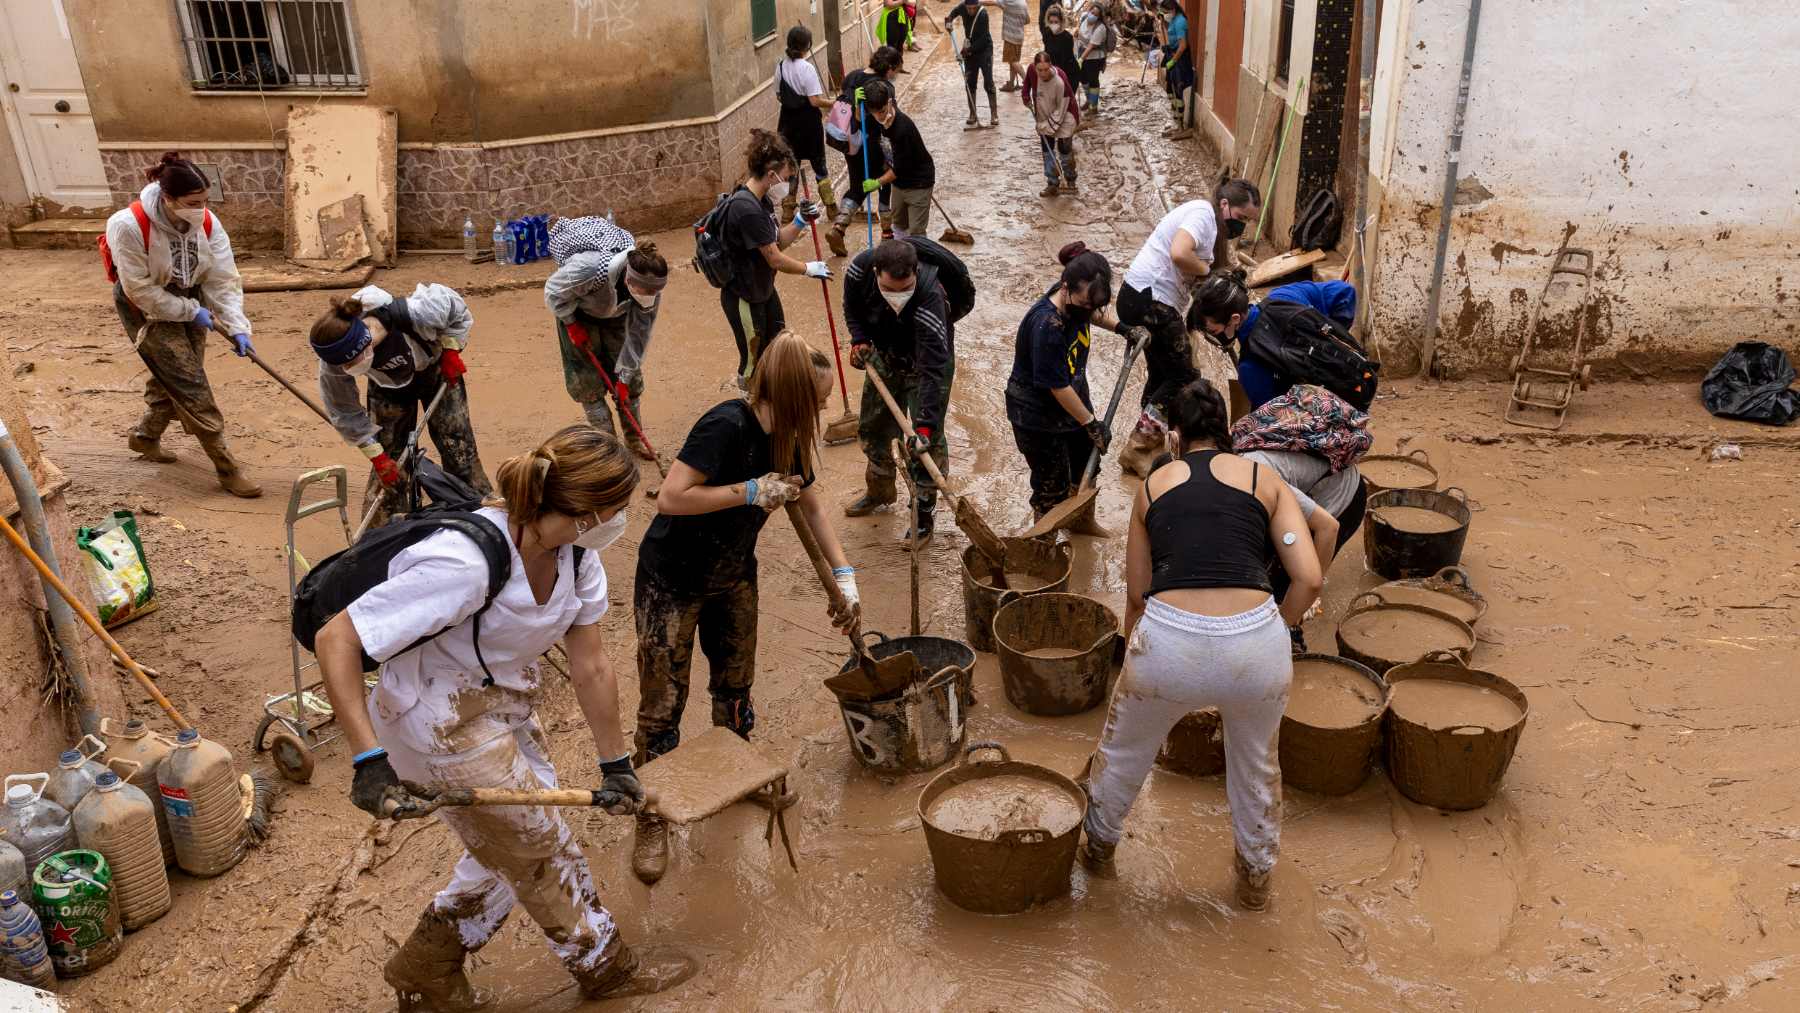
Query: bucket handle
[[866, 634], [1379, 600], [1441, 656], [1457, 493], [81, 747], [118, 764], [1455, 575], [975, 747], [1419, 454], [1028, 835], [1459, 729], [107, 728], [42, 779], [1007, 597]]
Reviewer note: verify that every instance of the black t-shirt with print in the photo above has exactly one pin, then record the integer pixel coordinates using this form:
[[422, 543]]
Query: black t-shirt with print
[[1051, 351], [750, 226]]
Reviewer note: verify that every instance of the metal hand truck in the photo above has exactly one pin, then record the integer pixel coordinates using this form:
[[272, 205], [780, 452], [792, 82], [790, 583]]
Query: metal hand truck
[[1537, 388]]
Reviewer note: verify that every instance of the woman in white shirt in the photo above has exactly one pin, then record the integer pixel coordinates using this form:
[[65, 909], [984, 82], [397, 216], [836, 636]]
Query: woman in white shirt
[[455, 707]]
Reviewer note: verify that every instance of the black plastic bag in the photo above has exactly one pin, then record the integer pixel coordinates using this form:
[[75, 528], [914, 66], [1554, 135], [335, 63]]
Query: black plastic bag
[[1752, 382]]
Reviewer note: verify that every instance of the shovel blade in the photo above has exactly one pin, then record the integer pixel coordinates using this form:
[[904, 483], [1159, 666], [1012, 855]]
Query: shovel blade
[[1075, 513], [876, 678], [976, 527]]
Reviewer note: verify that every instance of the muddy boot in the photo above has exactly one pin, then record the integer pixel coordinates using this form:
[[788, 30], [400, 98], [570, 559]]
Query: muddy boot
[[927, 522], [879, 493], [149, 449], [650, 849], [1050, 190], [640, 448], [834, 238], [427, 971], [788, 205], [625, 972], [887, 225], [231, 477], [1097, 857], [1252, 887]]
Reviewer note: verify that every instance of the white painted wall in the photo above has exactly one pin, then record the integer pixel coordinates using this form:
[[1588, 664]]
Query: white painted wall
[[1659, 133]]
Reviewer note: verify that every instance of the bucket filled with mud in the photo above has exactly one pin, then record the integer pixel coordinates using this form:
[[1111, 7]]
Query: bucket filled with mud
[[1032, 566], [1001, 833], [1448, 591], [922, 726], [1381, 472], [1451, 731], [1056, 652], [1195, 746], [1415, 532], [1381, 634], [1331, 729]]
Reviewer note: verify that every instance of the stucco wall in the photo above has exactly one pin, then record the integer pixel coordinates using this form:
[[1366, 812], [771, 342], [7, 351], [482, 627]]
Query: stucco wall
[[1661, 136]]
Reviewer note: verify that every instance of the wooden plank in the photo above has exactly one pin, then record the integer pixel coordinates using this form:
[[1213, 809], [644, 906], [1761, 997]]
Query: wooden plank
[[706, 774], [334, 153], [1283, 265]]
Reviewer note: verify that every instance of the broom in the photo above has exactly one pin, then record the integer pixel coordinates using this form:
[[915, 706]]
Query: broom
[[842, 429]]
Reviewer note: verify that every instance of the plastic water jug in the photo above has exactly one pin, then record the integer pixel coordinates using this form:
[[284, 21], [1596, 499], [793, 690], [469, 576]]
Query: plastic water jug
[[199, 786], [35, 825], [471, 246], [137, 743], [13, 874], [23, 956], [74, 897], [119, 821], [75, 773], [523, 246]]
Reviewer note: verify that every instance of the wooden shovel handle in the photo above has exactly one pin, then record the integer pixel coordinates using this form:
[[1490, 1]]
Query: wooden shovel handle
[[278, 378], [901, 417]]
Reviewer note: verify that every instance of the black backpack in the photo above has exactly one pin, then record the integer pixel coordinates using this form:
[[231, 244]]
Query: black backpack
[[952, 273], [1305, 346], [1319, 226], [710, 253]]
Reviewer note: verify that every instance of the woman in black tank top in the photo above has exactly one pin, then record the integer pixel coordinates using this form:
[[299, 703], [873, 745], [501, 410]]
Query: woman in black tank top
[[1203, 631]]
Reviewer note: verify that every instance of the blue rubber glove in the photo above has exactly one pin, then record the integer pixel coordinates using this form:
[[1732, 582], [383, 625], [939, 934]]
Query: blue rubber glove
[[241, 343], [203, 318]]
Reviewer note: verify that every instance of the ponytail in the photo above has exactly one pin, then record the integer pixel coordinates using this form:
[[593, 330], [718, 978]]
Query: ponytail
[[577, 471], [1087, 272], [1198, 413], [176, 175]]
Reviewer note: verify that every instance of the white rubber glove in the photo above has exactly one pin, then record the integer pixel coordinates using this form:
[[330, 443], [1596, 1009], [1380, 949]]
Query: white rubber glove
[[817, 269], [846, 582], [770, 491]]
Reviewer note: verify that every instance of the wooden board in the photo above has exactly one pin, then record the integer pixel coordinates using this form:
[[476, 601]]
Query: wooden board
[[289, 277], [706, 774], [336, 153], [1282, 266]]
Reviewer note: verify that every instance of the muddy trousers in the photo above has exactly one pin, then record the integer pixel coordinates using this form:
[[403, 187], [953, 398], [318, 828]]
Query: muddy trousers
[[175, 353], [606, 339], [668, 620], [1056, 459], [1169, 357], [753, 324], [523, 855], [396, 410], [877, 429], [980, 67], [1179, 662]]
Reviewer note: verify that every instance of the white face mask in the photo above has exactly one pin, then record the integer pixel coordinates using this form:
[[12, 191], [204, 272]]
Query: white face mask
[[778, 191], [361, 365], [646, 301], [195, 217], [603, 534], [897, 300]]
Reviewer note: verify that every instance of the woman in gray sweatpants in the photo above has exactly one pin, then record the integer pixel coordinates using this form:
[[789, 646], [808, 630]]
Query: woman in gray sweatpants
[[1203, 631]]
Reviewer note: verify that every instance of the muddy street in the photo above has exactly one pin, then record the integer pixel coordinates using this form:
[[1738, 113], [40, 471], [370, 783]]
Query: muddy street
[[1643, 854]]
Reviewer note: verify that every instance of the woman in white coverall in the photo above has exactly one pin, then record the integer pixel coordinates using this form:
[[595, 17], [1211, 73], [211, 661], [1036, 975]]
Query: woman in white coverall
[[454, 713]]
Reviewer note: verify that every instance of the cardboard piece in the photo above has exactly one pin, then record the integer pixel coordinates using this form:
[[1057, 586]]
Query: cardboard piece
[[707, 774], [1281, 266], [342, 188]]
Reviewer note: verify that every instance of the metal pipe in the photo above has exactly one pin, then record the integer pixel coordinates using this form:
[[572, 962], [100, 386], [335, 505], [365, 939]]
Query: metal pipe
[[1428, 356], [62, 619], [1365, 92]]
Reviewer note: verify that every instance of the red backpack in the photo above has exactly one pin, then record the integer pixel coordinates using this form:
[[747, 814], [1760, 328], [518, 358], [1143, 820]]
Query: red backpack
[[143, 223]]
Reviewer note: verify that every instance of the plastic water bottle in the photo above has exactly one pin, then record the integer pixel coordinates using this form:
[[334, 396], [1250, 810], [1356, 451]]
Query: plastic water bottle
[[540, 234], [75, 773], [502, 243], [470, 248], [522, 244], [23, 956], [35, 825]]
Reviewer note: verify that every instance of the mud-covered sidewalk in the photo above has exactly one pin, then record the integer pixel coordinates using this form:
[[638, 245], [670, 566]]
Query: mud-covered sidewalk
[[1644, 853]]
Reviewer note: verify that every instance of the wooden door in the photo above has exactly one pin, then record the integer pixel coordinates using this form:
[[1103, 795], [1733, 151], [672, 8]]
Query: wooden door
[[47, 106]]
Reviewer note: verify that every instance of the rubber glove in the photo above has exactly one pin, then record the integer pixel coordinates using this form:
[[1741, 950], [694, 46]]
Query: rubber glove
[[919, 442], [771, 490], [817, 269], [451, 367], [375, 786], [807, 212], [858, 94], [1097, 434], [203, 318], [620, 791], [385, 468], [859, 355], [871, 185], [240, 343], [578, 335]]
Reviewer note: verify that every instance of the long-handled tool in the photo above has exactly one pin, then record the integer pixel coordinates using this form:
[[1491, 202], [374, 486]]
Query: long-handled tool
[[81, 612], [913, 541], [439, 798], [277, 377], [407, 455], [968, 83], [862, 112], [843, 428], [606, 378], [1287, 124], [967, 517], [873, 678], [951, 234], [1077, 512]]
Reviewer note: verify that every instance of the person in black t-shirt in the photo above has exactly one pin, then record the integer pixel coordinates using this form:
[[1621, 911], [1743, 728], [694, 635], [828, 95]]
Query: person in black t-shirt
[[884, 63], [1047, 399], [910, 167], [696, 573], [751, 304], [1059, 43], [977, 57]]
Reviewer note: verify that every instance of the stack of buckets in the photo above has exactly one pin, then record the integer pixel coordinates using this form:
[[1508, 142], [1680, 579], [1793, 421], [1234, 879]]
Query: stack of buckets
[[85, 850]]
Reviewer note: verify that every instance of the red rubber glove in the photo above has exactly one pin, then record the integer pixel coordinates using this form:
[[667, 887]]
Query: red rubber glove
[[386, 470], [578, 335], [920, 442], [622, 391], [450, 366]]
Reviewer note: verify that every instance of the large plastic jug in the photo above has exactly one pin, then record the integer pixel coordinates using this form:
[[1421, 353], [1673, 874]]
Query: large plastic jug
[[199, 786], [35, 825], [23, 956], [75, 773], [13, 874], [137, 743], [74, 897], [119, 821]]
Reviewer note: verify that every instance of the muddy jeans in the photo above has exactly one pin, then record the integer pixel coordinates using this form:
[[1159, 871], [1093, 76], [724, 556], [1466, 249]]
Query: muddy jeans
[[1178, 662], [175, 352], [667, 622], [1169, 357], [912, 211], [876, 428], [606, 339], [1056, 460], [395, 411], [1059, 157], [515, 854]]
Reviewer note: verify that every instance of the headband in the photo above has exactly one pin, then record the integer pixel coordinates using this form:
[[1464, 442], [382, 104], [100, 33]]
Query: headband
[[647, 282], [345, 349]]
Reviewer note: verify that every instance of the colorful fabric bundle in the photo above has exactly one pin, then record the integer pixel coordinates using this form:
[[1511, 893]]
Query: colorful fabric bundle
[[1309, 419]]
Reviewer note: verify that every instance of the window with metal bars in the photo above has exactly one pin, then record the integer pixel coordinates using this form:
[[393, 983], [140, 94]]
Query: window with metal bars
[[264, 45], [1284, 41], [762, 19]]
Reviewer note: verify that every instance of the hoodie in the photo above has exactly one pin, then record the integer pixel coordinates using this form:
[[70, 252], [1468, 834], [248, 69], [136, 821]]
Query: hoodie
[[181, 259], [591, 285], [419, 327]]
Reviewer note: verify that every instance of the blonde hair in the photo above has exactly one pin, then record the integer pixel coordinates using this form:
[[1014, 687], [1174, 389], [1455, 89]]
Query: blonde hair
[[786, 379], [577, 471]]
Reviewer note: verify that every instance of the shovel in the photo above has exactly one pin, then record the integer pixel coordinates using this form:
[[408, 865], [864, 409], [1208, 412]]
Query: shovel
[[278, 378], [952, 234], [874, 678], [1077, 512], [843, 428], [612, 391], [967, 518]]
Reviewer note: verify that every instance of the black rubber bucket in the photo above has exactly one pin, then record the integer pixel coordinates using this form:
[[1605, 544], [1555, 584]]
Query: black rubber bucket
[[922, 727], [1397, 553]]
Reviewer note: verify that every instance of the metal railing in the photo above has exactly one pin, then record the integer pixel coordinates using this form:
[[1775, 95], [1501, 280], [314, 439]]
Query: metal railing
[[269, 45]]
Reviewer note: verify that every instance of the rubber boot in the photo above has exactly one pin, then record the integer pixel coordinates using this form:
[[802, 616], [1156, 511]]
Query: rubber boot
[[828, 199], [887, 225], [834, 238], [788, 206], [1252, 887], [1050, 190], [149, 449], [650, 849], [231, 477], [927, 520], [626, 972], [880, 492], [427, 971], [1097, 857]]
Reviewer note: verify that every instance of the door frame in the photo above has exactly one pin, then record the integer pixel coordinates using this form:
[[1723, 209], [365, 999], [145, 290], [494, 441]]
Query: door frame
[[15, 126]]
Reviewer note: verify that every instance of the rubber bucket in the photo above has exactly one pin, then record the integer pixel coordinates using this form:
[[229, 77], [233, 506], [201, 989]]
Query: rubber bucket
[[1195, 746], [1447, 590], [1398, 554], [1044, 560], [1457, 767], [1073, 625], [922, 727], [1013, 869], [1363, 638], [1333, 760], [1381, 472]]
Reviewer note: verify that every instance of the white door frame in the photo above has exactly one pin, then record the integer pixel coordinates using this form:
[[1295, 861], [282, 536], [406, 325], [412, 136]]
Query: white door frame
[[15, 126]]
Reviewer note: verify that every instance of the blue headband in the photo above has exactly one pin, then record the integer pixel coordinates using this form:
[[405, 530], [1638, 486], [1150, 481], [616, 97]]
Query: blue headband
[[345, 349]]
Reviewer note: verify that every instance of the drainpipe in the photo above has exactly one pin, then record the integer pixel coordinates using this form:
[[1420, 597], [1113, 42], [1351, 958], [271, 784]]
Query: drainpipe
[[62, 619], [1428, 357], [1365, 90]]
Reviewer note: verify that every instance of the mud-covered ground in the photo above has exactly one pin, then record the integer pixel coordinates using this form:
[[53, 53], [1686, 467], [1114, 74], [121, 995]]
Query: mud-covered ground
[[1644, 853]]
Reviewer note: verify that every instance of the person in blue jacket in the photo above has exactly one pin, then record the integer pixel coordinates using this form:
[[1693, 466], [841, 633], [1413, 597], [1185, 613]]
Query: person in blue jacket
[[1336, 300]]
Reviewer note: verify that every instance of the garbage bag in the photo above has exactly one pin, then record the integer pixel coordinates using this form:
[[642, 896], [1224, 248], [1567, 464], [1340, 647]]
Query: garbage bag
[[1752, 382], [117, 571]]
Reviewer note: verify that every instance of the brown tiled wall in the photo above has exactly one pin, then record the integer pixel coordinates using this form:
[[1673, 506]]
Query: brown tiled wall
[[254, 187]]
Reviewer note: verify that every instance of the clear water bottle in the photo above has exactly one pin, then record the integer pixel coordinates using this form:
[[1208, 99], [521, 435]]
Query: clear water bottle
[[502, 243], [471, 249]]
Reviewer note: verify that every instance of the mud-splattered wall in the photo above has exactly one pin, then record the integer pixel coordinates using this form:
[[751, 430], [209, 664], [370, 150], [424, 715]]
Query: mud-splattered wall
[[1661, 136]]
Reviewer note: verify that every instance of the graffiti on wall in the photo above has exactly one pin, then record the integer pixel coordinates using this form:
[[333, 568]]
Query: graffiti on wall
[[612, 20]]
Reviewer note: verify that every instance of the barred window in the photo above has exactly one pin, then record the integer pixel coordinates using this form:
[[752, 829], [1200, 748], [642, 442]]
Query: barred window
[[263, 45], [762, 19]]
